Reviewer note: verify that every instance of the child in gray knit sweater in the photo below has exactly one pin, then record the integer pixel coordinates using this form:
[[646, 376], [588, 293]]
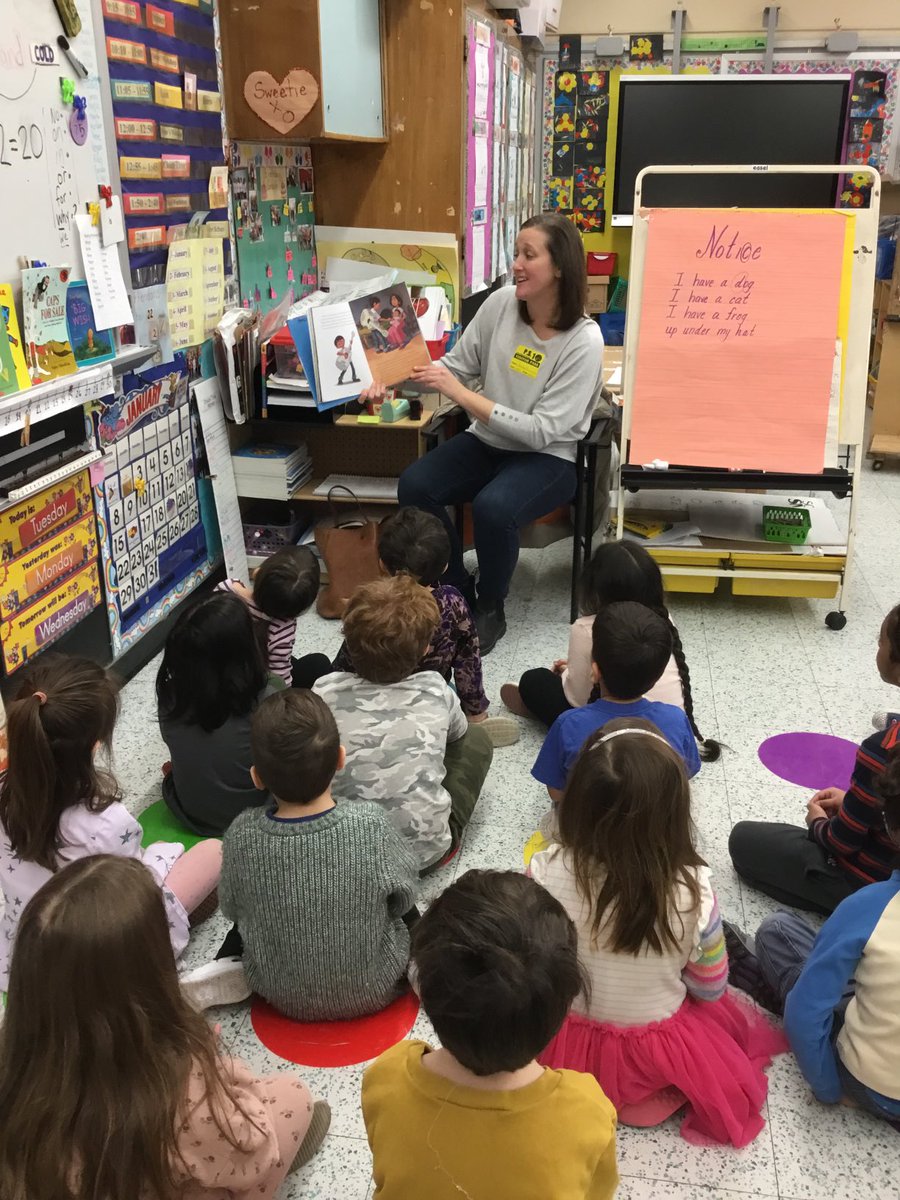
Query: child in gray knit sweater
[[319, 891]]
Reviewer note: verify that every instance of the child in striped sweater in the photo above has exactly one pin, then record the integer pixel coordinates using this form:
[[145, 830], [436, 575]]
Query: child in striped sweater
[[659, 1030], [284, 586], [845, 844]]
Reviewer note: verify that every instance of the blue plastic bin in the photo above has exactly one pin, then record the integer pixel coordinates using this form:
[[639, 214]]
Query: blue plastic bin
[[885, 254], [612, 326]]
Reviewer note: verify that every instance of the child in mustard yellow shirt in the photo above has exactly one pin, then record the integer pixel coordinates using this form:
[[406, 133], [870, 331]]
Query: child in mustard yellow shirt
[[495, 964]]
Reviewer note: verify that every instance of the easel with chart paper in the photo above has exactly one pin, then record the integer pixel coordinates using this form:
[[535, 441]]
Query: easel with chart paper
[[746, 351]]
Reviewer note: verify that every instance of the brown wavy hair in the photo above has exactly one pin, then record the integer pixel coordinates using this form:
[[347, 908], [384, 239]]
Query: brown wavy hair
[[387, 626], [64, 708], [98, 1043], [625, 821]]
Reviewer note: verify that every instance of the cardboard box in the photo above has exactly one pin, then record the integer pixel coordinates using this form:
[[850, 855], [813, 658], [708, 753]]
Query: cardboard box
[[597, 293], [893, 304]]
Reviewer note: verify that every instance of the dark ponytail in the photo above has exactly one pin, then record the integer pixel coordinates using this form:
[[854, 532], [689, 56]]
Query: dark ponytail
[[64, 708]]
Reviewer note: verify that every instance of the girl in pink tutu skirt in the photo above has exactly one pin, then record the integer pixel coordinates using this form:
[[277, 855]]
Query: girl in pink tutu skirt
[[659, 1030]]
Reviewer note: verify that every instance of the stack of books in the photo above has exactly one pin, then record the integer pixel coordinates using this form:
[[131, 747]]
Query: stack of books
[[271, 470]]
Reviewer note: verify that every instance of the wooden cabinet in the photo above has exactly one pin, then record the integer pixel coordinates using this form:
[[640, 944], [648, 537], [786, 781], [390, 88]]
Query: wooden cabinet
[[298, 70], [416, 181]]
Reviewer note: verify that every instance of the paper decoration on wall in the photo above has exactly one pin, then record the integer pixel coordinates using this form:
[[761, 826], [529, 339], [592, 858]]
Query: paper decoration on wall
[[645, 47], [570, 50], [273, 210], [281, 105], [865, 134], [577, 182], [725, 315], [410, 251]]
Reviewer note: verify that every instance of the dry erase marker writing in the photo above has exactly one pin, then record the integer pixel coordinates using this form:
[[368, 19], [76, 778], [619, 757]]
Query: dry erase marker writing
[[63, 43]]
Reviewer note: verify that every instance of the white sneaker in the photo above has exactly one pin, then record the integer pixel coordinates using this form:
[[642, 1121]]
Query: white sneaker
[[220, 982]]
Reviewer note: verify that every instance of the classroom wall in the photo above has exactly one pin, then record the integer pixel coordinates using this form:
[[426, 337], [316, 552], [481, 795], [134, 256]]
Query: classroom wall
[[795, 17]]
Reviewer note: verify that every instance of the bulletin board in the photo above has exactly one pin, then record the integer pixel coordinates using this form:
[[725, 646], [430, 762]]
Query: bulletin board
[[273, 213], [45, 177], [167, 112]]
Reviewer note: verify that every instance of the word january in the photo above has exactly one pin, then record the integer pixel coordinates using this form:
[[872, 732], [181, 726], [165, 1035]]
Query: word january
[[717, 248]]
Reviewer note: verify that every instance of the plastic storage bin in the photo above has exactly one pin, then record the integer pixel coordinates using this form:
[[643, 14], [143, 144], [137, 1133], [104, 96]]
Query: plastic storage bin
[[287, 360], [601, 264], [785, 524], [271, 526]]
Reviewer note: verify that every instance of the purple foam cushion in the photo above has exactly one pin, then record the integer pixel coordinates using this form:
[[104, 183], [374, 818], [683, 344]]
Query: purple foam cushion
[[811, 760]]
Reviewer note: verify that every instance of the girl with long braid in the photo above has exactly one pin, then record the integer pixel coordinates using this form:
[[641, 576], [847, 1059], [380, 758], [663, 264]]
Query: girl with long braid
[[617, 571]]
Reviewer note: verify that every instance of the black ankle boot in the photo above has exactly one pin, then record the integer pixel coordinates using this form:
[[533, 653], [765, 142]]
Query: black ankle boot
[[490, 623]]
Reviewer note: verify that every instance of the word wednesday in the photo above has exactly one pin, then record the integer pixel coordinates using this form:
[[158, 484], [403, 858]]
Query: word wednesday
[[716, 247]]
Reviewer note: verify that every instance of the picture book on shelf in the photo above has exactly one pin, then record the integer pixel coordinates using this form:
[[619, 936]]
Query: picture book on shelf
[[48, 350], [89, 344], [13, 369]]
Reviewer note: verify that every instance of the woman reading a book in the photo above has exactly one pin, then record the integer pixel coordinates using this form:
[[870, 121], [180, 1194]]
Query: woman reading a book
[[527, 371]]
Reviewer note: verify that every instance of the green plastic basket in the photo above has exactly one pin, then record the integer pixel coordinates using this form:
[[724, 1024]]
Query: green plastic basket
[[618, 296], [785, 524]]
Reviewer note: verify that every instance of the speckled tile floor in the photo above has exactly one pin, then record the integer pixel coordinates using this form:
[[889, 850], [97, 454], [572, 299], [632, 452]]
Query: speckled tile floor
[[759, 667]]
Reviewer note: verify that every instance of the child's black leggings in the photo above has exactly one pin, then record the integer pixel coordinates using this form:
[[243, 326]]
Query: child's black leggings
[[542, 694]]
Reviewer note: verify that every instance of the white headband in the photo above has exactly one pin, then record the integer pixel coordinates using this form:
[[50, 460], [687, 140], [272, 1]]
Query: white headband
[[645, 732]]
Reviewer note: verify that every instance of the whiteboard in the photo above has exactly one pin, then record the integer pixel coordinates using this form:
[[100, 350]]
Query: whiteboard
[[45, 178]]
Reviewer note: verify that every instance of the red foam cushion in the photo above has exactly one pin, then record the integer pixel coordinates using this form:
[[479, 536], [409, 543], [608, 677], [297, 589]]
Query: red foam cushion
[[334, 1043]]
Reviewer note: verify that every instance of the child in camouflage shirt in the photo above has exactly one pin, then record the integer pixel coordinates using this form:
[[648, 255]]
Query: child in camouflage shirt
[[409, 746]]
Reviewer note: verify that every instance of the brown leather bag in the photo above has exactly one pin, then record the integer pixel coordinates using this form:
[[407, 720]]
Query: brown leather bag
[[348, 544]]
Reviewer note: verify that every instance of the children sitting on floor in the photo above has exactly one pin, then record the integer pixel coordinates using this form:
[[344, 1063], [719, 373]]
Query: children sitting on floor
[[631, 646], [657, 1028], [317, 890], [617, 571], [416, 543], [409, 746], [845, 844], [57, 804], [496, 966], [110, 1085], [285, 586], [838, 990], [211, 678]]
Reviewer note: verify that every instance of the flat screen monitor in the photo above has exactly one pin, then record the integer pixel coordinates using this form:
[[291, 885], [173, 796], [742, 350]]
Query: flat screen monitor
[[750, 119]]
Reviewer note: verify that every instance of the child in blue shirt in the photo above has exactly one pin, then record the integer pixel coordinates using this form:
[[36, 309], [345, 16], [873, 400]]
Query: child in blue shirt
[[631, 645], [838, 988]]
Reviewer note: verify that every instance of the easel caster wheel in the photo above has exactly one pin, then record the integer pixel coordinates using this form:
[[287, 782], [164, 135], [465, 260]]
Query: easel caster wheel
[[877, 464], [836, 620]]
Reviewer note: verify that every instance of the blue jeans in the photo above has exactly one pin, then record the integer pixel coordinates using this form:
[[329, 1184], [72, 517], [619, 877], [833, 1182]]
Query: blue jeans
[[784, 942], [508, 489]]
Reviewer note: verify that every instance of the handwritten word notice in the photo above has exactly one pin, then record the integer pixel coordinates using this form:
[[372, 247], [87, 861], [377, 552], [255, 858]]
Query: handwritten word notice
[[737, 338]]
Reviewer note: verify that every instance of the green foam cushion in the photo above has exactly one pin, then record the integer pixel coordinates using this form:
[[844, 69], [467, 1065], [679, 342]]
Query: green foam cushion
[[159, 825]]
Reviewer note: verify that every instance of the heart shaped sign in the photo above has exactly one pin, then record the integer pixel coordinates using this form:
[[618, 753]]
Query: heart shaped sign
[[281, 105]]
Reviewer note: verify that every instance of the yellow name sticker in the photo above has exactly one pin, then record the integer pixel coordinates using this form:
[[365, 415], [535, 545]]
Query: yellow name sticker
[[526, 361]]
